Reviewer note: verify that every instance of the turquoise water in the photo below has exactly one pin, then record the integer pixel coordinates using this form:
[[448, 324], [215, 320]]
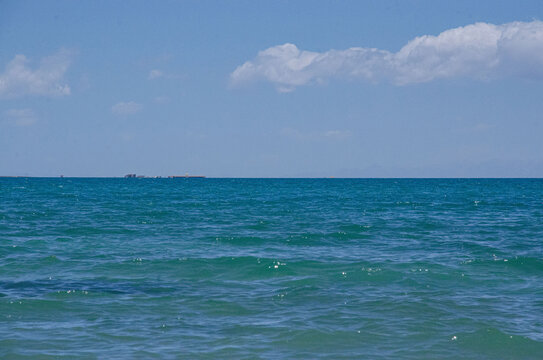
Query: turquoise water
[[255, 268]]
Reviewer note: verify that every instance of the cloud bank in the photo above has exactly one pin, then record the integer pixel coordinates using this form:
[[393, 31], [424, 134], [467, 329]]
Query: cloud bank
[[19, 79], [480, 51]]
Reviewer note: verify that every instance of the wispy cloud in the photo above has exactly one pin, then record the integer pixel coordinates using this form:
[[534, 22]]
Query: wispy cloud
[[480, 51], [337, 134], [47, 79], [21, 117], [126, 108], [155, 74], [316, 135], [161, 100]]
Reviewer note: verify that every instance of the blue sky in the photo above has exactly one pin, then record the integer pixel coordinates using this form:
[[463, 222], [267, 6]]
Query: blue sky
[[272, 89]]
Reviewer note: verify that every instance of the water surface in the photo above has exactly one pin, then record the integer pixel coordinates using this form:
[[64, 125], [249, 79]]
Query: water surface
[[260, 268]]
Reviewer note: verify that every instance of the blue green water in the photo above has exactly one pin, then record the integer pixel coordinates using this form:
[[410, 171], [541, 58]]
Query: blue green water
[[271, 269]]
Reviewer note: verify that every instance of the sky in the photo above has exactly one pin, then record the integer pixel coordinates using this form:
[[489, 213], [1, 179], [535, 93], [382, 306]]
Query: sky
[[272, 88]]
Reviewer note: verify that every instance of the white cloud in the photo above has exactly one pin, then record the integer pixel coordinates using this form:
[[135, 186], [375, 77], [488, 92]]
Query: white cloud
[[155, 74], [126, 108], [478, 51], [21, 117], [19, 79]]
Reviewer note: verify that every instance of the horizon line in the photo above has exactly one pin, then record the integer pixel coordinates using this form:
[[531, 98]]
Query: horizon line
[[263, 177]]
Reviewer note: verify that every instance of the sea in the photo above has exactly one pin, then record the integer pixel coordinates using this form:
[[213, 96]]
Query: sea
[[114, 268]]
